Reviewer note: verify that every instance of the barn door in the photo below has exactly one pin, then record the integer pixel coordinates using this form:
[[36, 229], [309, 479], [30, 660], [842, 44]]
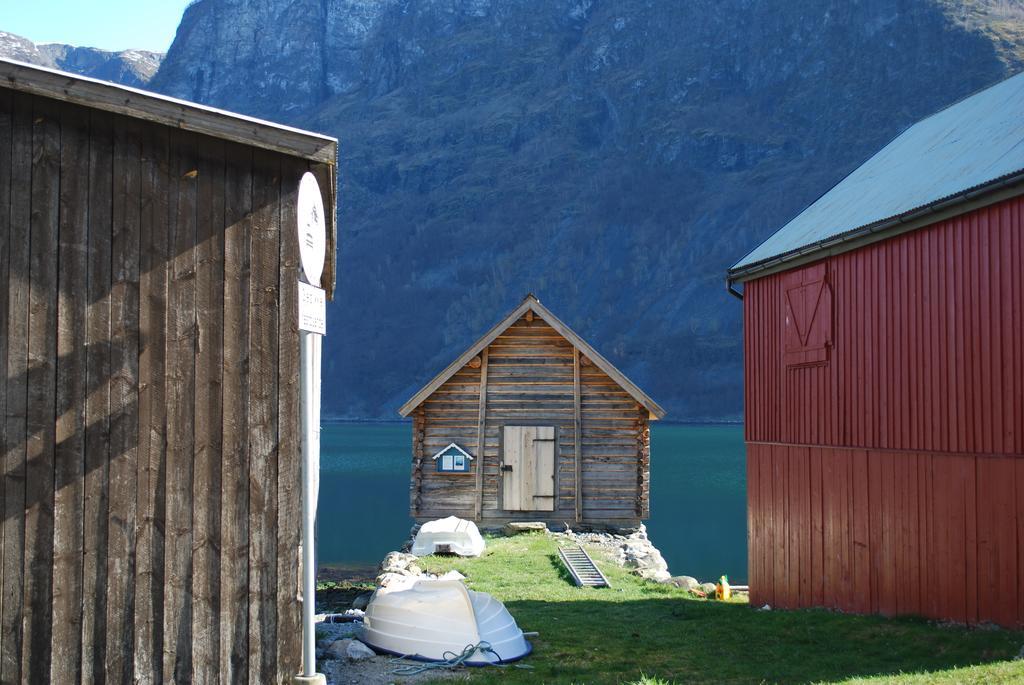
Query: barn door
[[528, 468]]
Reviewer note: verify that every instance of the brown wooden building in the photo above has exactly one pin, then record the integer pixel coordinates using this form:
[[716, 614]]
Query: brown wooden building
[[531, 423], [149, 406], [885, 379]]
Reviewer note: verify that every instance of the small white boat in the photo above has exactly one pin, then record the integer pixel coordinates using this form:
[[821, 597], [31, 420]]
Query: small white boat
[[435, 620], [450, 535]]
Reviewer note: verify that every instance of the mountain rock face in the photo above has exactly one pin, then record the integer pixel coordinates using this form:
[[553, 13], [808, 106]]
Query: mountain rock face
[[129, 67], [613, 158]]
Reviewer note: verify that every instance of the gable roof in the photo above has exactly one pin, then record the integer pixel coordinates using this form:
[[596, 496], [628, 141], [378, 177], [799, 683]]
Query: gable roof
[[161, 109], [457, 448], [531, 303], [970, 149]]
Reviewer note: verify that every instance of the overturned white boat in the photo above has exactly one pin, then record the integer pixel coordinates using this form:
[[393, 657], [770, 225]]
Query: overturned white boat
[[436, 620], [450, 535]]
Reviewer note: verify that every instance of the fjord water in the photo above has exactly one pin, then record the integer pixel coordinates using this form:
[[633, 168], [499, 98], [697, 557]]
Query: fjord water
[[698, 496]]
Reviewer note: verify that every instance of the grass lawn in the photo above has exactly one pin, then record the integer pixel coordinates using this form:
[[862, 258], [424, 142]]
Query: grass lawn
[[640, 632]]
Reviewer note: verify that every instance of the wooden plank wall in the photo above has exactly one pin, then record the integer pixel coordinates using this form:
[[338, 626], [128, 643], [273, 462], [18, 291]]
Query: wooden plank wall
[[929, 345], [530, 380], [895, 533], [891, 479], [616, 458], [148, 414]]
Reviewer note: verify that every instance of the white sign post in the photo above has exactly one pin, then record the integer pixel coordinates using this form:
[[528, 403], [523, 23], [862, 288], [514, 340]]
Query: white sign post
[[312, 324]]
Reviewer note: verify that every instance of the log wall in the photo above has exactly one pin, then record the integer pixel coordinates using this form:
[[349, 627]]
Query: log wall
[[532, 375], [149, 432], [886, 471]]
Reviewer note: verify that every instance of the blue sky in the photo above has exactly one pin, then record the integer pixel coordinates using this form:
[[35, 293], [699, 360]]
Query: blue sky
[[107, 24]]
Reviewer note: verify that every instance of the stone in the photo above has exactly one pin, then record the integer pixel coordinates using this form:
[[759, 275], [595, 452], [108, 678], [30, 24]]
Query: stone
[[640, 533], [657, 575], [395, 580], [516, 527], [338, 649], [635, 554], [414, 570], [396, 562], [685, 582], [708, 589], [451, 575], [362, 601], [357, 651]]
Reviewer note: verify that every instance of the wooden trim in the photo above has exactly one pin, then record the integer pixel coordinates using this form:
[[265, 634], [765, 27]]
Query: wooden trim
[[643, 501], [578, 437], [480, 430], [169, 111], [417, 464], [531, 303]]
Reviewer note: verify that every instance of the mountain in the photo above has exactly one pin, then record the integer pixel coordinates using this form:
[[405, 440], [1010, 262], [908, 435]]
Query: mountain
[[129, 67], [612, 157]]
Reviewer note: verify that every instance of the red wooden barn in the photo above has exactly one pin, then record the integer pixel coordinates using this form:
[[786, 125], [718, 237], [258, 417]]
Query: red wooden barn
[[884, 344]]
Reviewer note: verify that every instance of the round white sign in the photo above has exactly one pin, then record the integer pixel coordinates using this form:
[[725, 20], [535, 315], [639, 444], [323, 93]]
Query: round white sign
[[312, 229]]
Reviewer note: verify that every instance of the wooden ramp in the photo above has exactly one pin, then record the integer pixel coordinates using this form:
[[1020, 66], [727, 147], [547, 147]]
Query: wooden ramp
[[582, 568]]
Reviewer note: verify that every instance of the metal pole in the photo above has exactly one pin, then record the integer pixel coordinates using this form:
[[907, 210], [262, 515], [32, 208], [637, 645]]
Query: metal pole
[[309, 389]]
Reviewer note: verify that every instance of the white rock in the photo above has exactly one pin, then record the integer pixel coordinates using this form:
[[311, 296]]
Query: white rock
[[396, 562], [686, 582], [339, 648], [394, 580], [657, 575], [516, 527], [451, 575], [357, 651]]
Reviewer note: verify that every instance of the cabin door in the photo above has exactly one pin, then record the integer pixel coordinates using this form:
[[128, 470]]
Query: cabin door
[[528, 468]]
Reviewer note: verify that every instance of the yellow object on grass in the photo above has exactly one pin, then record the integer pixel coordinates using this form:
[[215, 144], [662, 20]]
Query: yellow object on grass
[[722, 590]]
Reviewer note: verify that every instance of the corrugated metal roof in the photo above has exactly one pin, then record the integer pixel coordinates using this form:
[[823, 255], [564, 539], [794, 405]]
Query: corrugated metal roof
[[971, 143]]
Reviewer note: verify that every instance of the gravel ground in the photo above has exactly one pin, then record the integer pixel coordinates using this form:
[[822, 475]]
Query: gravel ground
[[375, 671]]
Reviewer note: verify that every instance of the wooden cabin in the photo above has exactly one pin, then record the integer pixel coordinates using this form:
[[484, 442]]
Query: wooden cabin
[[885, 379], [149, 426], [532, 424]]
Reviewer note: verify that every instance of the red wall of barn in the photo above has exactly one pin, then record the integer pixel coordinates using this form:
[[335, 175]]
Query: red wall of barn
[[889, 478]]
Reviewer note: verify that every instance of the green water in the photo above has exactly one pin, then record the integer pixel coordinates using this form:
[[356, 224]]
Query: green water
[[698, 490]]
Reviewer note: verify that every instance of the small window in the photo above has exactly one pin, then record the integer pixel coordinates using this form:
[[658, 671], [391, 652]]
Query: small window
[[453, 459], [808, 312]]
